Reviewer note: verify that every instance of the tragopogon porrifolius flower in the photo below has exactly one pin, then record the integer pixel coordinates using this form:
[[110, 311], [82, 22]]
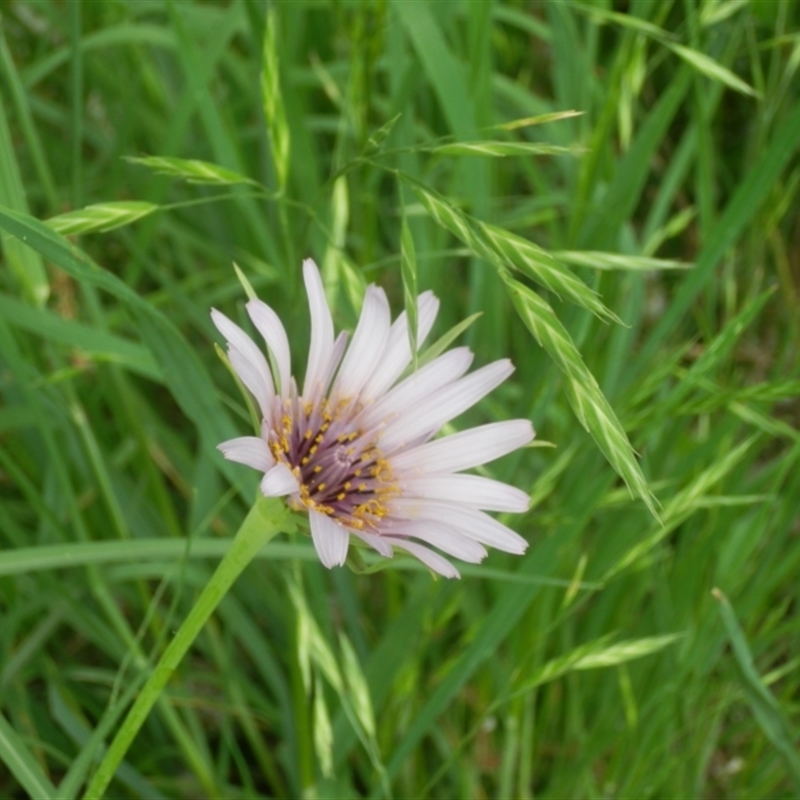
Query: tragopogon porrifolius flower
[[355, 448]]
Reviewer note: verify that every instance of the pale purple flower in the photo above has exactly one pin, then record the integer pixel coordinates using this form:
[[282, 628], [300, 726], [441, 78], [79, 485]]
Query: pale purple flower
[[355, 448]]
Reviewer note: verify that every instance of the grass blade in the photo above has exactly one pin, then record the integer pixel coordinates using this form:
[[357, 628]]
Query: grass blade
[[272, 102], [100, 217], [408, 273], [762, 702], [192, 170], [502, 149], [588, 402], [613, 261], [504, 249], [183, 370], [22, 765], [25, 263], [712, 69], [746, 202]]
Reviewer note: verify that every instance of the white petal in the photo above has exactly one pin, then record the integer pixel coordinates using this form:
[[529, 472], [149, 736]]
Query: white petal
[[445, 404], [335, 357], [331, 540], [367, 346], [271, 328], [466, 449], [319, 351], [254, 380], [469, 521], [442, 536], [414, 390], [376, 542], [430, 559], [248, 361], [279, 481], [398, 349], [472, 490], [249, 450]]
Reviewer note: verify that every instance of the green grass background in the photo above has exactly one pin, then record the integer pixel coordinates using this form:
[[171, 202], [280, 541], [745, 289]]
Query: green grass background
[[600, 664]]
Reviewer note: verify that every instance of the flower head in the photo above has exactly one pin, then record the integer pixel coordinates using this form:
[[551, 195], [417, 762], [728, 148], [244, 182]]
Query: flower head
[[355, 448]]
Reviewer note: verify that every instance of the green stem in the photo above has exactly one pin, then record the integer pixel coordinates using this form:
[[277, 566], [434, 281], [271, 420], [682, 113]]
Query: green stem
[[267, 518]]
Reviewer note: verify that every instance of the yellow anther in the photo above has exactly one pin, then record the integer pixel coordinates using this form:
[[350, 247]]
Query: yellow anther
[[321, 487], [308, 433], [317, 469]]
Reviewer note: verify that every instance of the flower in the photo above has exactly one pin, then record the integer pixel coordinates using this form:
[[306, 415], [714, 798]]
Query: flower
[[355, 449]]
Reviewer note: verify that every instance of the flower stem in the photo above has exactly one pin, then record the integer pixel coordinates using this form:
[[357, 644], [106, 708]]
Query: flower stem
[[267, 518]]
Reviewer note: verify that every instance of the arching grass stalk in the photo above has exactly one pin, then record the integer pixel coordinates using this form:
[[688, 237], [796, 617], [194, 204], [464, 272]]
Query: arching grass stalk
[[268, 517]]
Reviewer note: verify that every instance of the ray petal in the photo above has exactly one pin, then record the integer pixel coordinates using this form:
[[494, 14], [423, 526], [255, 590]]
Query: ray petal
[[471, 490], [321, 347], [248, 361], [428, 557], [445, 404], [467, 449], [271, 328], [249, 450], [331, 540], [278, 482], [367, 346]]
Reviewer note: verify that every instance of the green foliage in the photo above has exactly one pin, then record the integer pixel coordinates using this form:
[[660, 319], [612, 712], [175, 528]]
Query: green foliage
[[606, 193]]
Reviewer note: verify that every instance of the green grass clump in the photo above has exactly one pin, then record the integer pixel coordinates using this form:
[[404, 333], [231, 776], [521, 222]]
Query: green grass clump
[[612, 187]]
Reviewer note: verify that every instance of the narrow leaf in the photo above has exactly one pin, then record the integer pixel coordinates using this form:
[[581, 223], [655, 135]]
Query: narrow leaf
[[444, 341], [621, 652], [192, 170], [323, 733], [612, 261], [359, 689], [272, 101], [762, 702], [542, 267], [376, 140], [25, 263], [183, 372], [98, 344], [100, 217], [712, 69], [502, 149], [588, 402], [630, 21], [681, 507], [539, 119], [408, 272], [504, 249], [22, 765]]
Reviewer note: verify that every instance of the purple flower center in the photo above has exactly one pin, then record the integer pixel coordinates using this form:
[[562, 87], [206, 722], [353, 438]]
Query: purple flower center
[[340, 469]]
